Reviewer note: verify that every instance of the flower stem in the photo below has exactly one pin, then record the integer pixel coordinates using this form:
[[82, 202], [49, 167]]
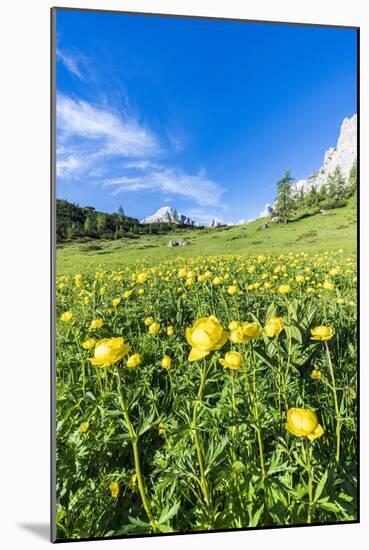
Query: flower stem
[[136, 455], [204, 484], [336, 406], [256, 415], [310, 479]]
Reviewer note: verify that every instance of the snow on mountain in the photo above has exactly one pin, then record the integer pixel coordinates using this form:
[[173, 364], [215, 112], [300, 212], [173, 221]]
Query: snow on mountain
[[167, 214]]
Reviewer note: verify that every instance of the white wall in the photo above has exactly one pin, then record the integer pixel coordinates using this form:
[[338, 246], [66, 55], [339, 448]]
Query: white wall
[[24, 312]]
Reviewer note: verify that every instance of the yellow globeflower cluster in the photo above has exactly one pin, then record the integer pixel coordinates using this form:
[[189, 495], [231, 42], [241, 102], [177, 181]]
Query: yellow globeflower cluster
[[243, 333]]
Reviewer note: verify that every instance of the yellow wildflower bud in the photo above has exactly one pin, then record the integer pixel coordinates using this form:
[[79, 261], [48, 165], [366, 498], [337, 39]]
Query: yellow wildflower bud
[[114, 489], [133, 360], [84, 427], [274, 326], [232, 360], [166, 362], [89, 343], [67, 316], [321, 333], [303, 423], [154, 328], [96, 323]]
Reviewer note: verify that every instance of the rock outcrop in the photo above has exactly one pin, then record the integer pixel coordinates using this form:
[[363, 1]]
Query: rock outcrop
[[343, 155], [172, 243]]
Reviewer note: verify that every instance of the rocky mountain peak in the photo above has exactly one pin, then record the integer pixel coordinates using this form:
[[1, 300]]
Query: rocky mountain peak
[[167, 214], [343, 155]]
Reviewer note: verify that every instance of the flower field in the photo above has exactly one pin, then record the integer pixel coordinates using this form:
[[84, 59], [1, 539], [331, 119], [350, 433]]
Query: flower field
[[207, 393]]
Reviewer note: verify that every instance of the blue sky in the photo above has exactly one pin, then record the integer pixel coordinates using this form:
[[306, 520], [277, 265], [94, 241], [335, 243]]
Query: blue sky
[[201, 115]]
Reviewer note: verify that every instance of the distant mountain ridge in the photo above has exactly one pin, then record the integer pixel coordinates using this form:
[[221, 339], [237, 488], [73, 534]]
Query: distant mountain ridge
[[167, 214]]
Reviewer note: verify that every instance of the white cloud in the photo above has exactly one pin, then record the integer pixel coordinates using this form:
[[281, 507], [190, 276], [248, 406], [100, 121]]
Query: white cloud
[[90, 136], [114, 150], [70, 62], [196, 187], [107, 130]]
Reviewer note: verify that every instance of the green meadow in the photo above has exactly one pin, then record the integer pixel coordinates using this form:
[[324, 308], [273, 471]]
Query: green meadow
[[336, 229]]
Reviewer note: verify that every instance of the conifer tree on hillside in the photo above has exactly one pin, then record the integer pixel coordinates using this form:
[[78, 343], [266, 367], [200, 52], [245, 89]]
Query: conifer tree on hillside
[[285, 203]]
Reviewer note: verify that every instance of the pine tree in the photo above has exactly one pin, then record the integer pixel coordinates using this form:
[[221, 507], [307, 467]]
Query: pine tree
[[285, 204], [352, 179]]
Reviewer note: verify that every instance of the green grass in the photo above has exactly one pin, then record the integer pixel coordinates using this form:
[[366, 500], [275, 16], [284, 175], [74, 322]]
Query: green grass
[[336, 229]]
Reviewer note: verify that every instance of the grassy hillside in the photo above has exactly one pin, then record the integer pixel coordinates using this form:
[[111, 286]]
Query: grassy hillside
[[334, 230]]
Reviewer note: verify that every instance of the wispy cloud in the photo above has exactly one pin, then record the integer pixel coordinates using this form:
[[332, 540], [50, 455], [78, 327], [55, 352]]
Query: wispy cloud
[[89, 135], [171, 181], [71, 62], [116, 151]]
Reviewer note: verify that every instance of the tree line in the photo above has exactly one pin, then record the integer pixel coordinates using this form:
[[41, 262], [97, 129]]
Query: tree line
[[76, 222], [292, 203]]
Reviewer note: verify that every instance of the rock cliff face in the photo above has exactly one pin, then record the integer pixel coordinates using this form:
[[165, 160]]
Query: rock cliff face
[[343, 155], [167, 214]]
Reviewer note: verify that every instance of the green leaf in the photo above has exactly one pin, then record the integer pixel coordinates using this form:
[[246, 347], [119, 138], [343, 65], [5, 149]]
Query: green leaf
[[167, 514], [320, 486]]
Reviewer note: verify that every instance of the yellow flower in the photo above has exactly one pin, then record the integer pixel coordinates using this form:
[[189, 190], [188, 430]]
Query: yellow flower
[[89, 343], [300, 278], [232, 360], [166, 362], [142, 277], [250, 331], [321, 333], [161, 428], [116, 301], [127, 294], [154, 328], [141, 291], [67, 317], [170, 330], [274, 326], [217, 281], [236, 336], [234, 325], [109, 351], [84, 427], [316, 374], [182, 272], [133, 482], [133, 360], [310, 290], [327, 285], [284, 289], [96, 323], [232, 290], [114, 489], [206, 335], [149, 321], [303, 423]]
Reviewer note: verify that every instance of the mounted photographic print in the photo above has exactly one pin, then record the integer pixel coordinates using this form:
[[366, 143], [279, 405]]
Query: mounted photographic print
[[204, 226]]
